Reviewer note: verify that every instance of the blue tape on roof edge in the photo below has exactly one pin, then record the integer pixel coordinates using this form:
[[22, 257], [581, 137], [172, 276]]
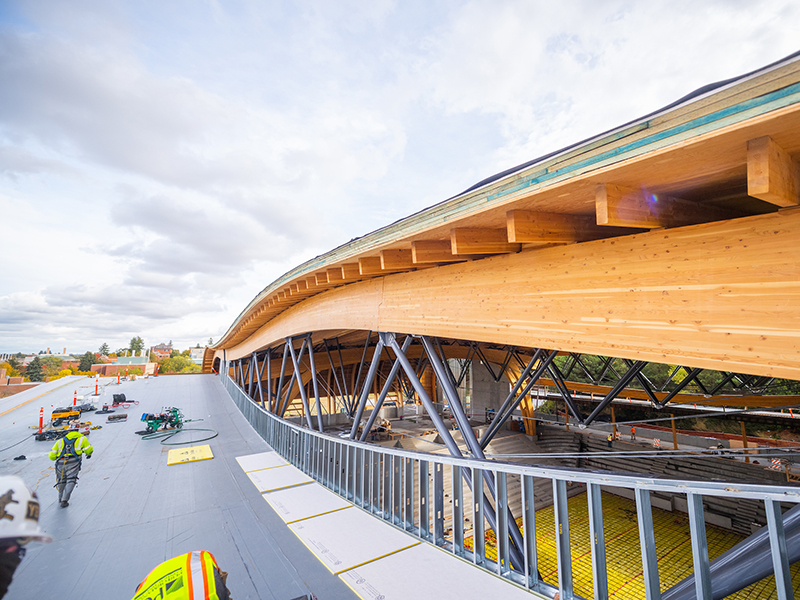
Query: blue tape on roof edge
[[656, 137]]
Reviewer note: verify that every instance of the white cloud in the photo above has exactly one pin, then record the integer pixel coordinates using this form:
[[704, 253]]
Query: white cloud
[[162, 163]]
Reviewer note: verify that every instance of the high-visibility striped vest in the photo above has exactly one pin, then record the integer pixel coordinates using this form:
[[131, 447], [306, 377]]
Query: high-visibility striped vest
[[191, 576]]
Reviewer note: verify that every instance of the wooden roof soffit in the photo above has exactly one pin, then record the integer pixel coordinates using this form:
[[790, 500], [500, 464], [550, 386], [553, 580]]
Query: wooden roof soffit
[[321, 277], [531, 227], [772, 175], [335, 275], [478, 240], [373, 265], [351, 272], [396, 259], [634, 207], [433, 251]]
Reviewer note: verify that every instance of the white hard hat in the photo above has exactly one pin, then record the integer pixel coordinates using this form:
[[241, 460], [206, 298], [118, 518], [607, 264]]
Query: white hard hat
[[19, 512]]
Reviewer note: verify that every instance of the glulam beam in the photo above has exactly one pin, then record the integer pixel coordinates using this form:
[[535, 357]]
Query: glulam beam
[[351, 272], [396, 259], [370, 265], [425, 252], [478, 240], [335, 275], [532, 227], [621, 206], [772, 175]]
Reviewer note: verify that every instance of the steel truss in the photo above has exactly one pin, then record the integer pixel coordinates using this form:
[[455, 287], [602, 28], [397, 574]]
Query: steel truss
[[407, 489], [298, 375]]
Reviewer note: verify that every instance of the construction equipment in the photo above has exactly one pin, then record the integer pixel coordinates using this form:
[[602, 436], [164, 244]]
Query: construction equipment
[[60, 415], [169, 418]]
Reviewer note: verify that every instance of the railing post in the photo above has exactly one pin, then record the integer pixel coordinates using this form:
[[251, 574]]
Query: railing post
[[501, 502], [598, 541], [561, 512], [458, 510], [478, 533], [424, 509], [647, 540], [697, 527], [529, 531], [777, 544], [438, 504], [408, 502]]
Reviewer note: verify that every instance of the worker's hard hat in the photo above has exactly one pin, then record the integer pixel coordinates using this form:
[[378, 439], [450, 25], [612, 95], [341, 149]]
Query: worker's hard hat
[[19, 512]]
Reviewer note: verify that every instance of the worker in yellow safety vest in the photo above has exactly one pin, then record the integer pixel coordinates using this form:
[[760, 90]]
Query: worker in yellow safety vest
[[190, 576], [68, 452]]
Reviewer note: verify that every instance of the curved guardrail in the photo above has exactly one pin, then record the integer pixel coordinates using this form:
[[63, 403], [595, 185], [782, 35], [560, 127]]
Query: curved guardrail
[[407, 489]]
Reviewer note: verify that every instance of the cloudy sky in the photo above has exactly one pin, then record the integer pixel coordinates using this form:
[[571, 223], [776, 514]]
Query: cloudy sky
[[162, 162]]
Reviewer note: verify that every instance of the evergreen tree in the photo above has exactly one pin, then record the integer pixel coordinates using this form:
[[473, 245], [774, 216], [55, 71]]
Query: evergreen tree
[[34, 370], [104, 349], [87, 360], [137, 345]]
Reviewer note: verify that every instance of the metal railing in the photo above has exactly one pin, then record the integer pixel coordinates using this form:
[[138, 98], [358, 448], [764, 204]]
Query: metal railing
[[408, 489]]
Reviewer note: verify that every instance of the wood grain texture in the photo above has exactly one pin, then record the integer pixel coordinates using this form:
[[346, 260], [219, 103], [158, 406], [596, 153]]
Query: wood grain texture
[[527, 226], [396, 259], [772, 175], [637, 207], [720, 295], [432, 252], [478, 240]]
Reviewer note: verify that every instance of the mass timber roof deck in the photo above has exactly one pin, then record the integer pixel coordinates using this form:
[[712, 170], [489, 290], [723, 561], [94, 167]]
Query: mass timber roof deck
[[716, 166]]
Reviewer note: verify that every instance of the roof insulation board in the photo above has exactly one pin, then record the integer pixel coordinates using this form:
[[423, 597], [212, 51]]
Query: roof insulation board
[[304, 501], [267, 480], [348, 538], [262, 460], [389, 579]]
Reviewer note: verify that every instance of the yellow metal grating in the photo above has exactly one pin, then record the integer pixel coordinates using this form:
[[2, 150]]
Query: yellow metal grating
[[623, 554]]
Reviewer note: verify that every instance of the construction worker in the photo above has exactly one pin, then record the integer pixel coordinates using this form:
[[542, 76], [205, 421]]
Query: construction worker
[[19, 524], [68, 452], [610, 438], [633, 434], [185, 577]]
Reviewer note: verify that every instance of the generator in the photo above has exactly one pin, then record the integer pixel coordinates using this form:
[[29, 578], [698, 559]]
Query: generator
[[66, 414], [169, 418]]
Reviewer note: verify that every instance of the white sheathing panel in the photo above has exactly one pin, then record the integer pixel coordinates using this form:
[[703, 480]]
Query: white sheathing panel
[[277, 478], [348, 538], [427, 573], [262, 460], [305, 501]]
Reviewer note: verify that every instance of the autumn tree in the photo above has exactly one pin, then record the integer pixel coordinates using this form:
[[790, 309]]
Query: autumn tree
[[51, 365]]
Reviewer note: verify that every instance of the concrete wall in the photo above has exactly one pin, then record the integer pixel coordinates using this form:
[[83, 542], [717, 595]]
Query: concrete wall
[[486, 392]]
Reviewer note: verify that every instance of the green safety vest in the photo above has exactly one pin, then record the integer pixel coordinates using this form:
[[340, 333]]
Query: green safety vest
[[191, 576]]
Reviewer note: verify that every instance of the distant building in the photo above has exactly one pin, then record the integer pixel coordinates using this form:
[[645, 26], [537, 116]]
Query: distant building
[[196, 355], [161, 351]]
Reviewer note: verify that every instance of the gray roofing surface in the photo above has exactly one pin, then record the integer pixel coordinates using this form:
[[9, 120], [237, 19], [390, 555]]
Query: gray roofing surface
[[130, 510]]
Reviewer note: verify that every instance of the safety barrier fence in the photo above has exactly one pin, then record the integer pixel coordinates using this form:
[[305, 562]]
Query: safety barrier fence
[[430, 496]]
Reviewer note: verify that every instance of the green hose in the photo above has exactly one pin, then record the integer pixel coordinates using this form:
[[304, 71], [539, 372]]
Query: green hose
[[170, 433]]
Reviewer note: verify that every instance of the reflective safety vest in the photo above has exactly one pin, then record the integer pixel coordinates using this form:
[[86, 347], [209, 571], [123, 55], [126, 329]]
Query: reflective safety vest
[[70, 446], [191, 576]]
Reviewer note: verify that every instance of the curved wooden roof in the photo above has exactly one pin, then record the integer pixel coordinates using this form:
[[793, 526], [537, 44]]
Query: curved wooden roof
[[671, 238]]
